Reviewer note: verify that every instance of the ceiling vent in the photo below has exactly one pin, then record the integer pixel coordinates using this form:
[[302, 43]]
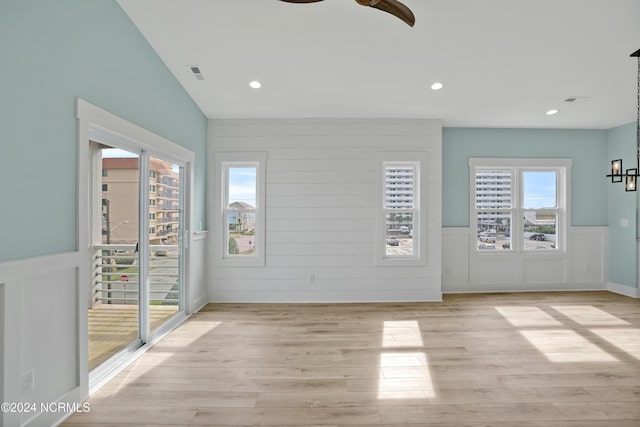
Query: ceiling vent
[[577, 99], [196, 72]]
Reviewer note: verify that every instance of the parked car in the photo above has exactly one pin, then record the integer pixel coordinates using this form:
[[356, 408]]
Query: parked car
[[404, 229], [393, 241], [536, 236], [487, 238]]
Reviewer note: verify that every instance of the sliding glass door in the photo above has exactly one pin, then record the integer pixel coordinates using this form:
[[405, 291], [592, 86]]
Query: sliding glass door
[[165, 240], [137, 262], [114, 308]]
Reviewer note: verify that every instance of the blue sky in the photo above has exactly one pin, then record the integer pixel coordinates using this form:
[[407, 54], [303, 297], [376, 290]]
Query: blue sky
[[242, 185], [116, 153], [539, 189]]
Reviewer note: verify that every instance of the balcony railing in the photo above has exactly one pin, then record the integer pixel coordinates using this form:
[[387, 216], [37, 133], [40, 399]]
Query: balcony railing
[[166, 233], [167, 206], [165, 220], [116, 272]]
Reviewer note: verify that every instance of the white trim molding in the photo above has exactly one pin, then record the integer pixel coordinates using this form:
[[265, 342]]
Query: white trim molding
[[623, 290], [417, 160], [516, 206], [222, 162], [96, 124]]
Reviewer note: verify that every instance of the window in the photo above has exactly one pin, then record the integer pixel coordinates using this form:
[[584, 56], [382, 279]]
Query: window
[[519, 205], [240, 209], [153, 174], [105, 187], [400, 217], [241, 182], [152, 188]]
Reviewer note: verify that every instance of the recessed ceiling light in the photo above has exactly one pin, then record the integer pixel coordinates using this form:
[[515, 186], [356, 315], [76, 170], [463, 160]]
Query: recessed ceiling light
[[552, 112], [255, 84], [437, 86]]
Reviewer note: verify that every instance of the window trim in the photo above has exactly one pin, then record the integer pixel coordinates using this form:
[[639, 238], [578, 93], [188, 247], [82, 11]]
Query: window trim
[[519, 165], [417, 159], [222, 162]]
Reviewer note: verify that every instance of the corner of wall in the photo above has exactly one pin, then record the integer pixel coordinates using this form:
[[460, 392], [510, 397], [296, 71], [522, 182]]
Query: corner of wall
[[623, 290]]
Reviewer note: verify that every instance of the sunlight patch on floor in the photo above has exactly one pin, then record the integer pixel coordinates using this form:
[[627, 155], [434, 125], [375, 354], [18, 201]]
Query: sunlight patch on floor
[[627, 340], [524, 316], [404, 374], [588, 315], [139, 369], [405, 333], [188, 333], [564, 345]]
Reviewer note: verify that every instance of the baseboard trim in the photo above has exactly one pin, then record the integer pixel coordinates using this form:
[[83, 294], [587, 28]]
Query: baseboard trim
[[199, 303], [627, 291], [467, 288]]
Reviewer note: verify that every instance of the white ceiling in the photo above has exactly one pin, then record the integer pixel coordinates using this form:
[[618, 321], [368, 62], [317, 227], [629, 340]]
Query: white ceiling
[[504, 63]]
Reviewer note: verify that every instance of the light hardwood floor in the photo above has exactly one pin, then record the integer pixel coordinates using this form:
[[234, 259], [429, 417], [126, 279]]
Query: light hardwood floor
[[526, 359]]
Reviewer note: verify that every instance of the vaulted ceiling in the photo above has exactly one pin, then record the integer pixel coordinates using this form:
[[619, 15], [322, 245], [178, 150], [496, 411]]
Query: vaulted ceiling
[[503, 63]]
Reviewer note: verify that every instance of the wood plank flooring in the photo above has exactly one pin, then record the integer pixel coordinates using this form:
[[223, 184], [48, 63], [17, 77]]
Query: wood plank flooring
[[526, 359]]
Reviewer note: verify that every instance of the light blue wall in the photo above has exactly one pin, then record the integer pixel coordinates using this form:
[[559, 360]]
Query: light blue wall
[[622, 205], [587, 149], [50, 53]]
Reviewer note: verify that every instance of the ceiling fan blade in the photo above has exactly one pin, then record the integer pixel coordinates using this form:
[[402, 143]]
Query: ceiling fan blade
[[395, 8], [301, 1]]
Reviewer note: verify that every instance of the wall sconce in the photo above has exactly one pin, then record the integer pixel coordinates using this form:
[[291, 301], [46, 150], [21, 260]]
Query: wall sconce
[[616, 170], [630, 180], [630, 175]]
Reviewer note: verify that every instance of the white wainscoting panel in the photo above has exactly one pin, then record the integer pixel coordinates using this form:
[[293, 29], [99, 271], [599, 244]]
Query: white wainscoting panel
[[589, 255], [545, 270], [582, 267], [197, 289], [501, 273], [321, 207], [40, 323], [455, 256]]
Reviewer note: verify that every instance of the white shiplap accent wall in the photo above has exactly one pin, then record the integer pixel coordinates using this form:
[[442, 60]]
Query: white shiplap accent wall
[[321, 208]]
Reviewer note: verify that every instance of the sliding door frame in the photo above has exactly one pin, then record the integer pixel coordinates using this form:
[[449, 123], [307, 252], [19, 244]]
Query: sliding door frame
[[98, 124]]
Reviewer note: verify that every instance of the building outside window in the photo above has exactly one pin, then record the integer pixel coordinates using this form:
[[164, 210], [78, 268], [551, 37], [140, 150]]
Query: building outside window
[[122, 180]]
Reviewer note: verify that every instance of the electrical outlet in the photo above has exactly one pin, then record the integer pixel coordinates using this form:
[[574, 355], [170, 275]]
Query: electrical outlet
[[27, 382]]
